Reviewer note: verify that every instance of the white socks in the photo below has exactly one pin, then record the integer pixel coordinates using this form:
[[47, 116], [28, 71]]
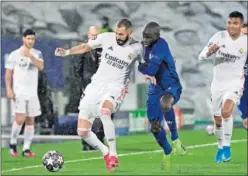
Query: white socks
[[219, 136], [28, 136], [109, 130], [15, 132], [227, 125], [94, 142]]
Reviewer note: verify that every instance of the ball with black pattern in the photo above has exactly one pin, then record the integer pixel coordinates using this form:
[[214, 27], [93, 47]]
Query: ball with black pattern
[[53, 161]]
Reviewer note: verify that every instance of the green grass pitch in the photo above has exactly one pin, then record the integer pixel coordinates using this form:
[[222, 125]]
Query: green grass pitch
[[139, 155]]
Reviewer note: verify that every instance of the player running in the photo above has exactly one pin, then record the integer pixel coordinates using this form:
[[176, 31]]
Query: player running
[[164, 91], [23, 65], [104, 95], [229, 50], [243, 106]]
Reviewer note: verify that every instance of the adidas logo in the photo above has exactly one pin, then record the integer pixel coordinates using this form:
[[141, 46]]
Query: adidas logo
[[110, 48]]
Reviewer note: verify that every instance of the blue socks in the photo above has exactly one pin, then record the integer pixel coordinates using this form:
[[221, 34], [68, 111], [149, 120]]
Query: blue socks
[[162, 141], [171, 121]]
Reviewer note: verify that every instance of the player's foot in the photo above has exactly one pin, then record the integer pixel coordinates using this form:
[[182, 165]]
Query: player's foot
[[219, 155], [114, 161], [226, 153], [166, 161], [108, 163], [178, 147], [28, 153], [13, 150]]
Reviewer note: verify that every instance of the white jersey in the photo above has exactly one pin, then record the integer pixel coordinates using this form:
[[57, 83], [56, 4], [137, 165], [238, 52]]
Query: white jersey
[[116, 61], [25, 74], [229, 61]]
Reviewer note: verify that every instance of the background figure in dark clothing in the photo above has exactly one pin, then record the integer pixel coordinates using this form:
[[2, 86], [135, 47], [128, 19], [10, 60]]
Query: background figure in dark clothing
[[105, 25]]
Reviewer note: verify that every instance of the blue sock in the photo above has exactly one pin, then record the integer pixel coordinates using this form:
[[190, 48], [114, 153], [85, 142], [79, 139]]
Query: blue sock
[[171, 121], [162, 141]]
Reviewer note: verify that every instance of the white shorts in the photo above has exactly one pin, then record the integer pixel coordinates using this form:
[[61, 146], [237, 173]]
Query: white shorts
[[30, 106], [94, 96], [219, 97]]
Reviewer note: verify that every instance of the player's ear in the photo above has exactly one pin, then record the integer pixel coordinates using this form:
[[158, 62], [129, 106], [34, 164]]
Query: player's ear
[[130, 31]]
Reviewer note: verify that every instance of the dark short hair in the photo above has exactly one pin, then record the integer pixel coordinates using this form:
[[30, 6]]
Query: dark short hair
[[245, 25], [236, 14], [28, 32], [124, 23]]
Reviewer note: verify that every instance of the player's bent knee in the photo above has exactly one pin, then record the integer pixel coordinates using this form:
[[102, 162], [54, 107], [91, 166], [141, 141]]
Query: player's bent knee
[[155, 126], [29, 121], [82, 132], [166, 102], [105, 112], [226, 114]]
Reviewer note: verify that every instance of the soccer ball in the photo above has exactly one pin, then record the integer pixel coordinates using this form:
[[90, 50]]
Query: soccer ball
[[210, 130], [53, 161]]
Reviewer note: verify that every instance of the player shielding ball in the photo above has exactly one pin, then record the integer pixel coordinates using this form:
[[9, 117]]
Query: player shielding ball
[[104, 95], [229, 50], [22, 67], [163, 92]]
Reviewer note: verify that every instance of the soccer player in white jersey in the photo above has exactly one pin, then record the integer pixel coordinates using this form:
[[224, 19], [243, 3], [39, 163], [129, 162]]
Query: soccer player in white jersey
[[229, 50], [105, 93], [22, 66]]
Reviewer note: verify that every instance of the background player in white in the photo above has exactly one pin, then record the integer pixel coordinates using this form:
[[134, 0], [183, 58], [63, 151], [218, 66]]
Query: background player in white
[[229, 50], [105, 93], [22, 65]]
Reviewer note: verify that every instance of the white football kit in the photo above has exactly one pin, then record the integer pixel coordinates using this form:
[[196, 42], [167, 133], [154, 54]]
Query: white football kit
[[228, 76], [25, 82], [111, 79]]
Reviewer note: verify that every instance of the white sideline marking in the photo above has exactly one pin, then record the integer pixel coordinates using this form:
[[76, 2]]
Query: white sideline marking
[[126, 154]]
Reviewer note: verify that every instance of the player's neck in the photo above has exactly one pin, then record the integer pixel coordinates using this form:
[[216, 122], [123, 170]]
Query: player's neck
[[235, 37]]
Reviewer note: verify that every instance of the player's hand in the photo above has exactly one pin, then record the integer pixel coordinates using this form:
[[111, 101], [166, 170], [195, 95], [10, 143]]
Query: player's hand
[[212, 49], [10, 94], [152, 78], [61, 52]]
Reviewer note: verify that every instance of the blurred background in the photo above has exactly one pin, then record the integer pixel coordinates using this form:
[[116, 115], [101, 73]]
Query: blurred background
[[186, 26]]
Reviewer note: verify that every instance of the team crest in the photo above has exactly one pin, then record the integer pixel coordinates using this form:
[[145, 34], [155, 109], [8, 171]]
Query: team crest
[[131, 56], [241, 50]]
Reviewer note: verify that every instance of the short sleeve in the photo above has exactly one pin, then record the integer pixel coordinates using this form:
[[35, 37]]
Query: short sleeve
[[10, 61]]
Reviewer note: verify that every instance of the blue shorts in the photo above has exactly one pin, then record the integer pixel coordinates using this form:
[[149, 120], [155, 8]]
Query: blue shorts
[[154, 110], [243, 105]]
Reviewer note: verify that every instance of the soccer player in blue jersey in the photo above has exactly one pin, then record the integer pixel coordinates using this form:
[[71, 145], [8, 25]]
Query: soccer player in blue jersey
[[159, 65], [243, 106]]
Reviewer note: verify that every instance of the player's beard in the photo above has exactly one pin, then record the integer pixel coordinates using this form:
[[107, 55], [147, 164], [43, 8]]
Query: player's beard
[[28, 45], [122, 42]]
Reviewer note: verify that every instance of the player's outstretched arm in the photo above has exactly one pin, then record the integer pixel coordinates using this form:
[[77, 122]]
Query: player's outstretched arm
[[79, 49], [210, 48]]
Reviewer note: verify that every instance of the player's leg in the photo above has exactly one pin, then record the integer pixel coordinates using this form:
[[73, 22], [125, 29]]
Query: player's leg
[[230, 99], [216, 108], [28, 137], [19, 111], [106, 110], [243, 108], [110, 104], [33, 110], [85, 121], [155, 116], [166, 103]]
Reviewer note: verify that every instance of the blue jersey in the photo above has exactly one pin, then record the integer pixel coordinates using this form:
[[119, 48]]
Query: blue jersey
[[246, 74], [160, 63]]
